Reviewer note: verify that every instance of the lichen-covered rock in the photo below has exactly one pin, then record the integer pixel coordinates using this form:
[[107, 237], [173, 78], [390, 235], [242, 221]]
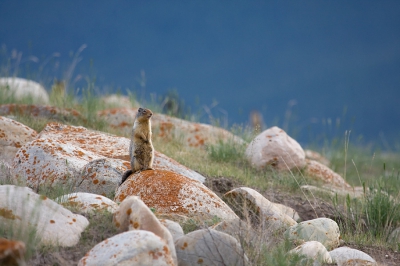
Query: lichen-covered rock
[[323, 173], [102, 144], [50, 161], [323, 230], [11, 252], [110, 146], [351, 257], [22, 209], [313, 250], [248, 203], [12, 136], [101, 176], [87, 202], [163, 162], [273, 147], [169, 192], [19, 88], [134, 248], [133, 214], [40, 111], [165, 127], [209, 247]]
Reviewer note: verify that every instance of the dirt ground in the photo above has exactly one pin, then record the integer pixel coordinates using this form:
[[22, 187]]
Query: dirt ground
[[306, 211]]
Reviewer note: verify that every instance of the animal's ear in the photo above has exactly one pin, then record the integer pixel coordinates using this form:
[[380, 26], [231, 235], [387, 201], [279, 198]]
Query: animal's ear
[[140, 110]]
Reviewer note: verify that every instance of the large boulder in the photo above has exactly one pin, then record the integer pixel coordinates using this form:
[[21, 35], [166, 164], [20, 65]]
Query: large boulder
[[133, 214], [274, 148], [249, 204], [52, 162], [85, 160], [19, 88], [351, 257], [169, 192], [110, 146], [12, 136], [166, 128], [135, 248], [22, 209], [323, 230], [209, 247]]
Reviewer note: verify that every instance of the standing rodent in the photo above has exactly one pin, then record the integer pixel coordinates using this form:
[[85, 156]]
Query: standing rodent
[[141, 150]]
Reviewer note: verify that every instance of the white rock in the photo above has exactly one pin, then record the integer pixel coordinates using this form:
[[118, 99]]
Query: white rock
[[344, 255], [169, 192], [133, 214], [23, 210], [134, 248], [88, 202], [323, 230], [209, 247], [288, 211], [251, 204], [12, 136], [173, 227], [313, 250], [244, 232], [101, 176], [273, 147], [21, 88]]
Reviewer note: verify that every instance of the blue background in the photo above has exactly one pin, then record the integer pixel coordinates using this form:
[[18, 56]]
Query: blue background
[[332, 65]]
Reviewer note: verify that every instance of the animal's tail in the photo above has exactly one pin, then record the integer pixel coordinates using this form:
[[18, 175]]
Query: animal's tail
[[126, 175]]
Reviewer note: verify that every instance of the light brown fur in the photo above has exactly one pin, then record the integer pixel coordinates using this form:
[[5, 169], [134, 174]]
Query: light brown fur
[[141, 150]]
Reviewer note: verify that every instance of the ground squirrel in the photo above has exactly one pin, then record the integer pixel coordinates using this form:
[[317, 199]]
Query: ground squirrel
[[141, 149]]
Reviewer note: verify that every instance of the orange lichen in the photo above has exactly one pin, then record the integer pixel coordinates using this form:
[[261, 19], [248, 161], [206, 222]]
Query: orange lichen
[[135, 225], [52, 221], [8, 214]]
